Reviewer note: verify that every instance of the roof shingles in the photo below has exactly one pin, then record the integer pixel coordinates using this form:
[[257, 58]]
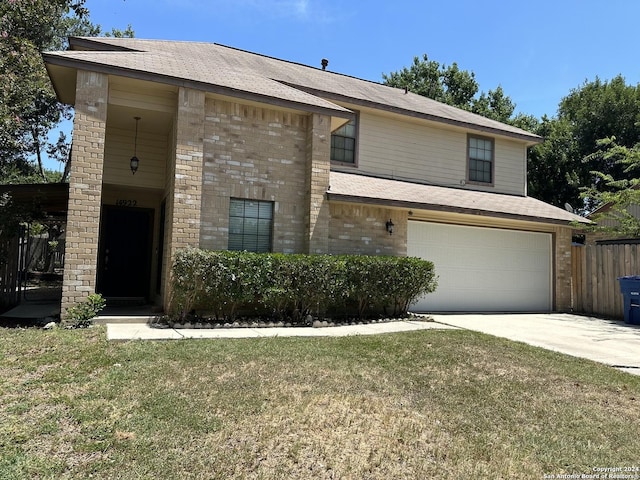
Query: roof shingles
[[360, 188], [217, 65]]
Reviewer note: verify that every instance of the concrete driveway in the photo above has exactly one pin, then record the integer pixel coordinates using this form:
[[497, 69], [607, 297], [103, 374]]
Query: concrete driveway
[[610, 342]]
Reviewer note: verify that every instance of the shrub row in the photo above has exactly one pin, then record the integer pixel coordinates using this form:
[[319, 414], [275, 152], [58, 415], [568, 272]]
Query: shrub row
[[287, 286]]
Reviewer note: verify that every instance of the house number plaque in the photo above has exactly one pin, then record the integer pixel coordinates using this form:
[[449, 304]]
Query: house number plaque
[[126, 203]]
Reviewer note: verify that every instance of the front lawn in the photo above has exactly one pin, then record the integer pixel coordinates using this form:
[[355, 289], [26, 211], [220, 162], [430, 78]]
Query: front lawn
[[426, 404]]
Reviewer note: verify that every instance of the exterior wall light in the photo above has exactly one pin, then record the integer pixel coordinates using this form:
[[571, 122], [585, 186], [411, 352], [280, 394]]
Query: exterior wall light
[[390, 226], [134, 162]]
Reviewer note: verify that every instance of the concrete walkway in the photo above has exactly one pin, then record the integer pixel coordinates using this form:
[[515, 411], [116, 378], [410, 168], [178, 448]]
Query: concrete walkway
[[142, 331], [610, 342], [613, 343]]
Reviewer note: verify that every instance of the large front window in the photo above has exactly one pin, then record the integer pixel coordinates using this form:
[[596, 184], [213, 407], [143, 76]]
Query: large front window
[[480, 159], [250, 225], [343, 143]]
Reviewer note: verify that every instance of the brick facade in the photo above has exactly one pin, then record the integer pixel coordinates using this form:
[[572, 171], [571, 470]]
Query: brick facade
[[85, 188], [361, 230], [256, 154], [562, 249], [318, 154], [184, 196]]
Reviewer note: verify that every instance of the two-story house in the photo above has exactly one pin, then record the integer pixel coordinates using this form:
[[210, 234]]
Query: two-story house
[[180, 144]]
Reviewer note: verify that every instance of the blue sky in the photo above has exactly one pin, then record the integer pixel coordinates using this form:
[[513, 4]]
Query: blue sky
[[537, 51]]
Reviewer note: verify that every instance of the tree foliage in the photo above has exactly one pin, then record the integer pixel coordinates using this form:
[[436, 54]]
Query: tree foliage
[[29, 109], [453, 86], [554, 168], [601, 110], [614, 195], [571, 154]]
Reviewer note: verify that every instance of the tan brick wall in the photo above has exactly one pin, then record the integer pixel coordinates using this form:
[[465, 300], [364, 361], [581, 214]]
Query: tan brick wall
[[184, 196], [318, 168], [85, 188], [270, 155], [256, 154], [562, 241], [361, 230]]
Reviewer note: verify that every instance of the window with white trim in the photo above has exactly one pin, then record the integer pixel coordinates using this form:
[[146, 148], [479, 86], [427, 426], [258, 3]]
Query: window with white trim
[[250, 225]]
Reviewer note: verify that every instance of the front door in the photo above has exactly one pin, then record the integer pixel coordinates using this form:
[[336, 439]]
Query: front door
[[125, 252]]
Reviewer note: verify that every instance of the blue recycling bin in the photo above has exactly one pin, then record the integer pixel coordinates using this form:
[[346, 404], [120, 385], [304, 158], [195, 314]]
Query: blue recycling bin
[[630, 289]]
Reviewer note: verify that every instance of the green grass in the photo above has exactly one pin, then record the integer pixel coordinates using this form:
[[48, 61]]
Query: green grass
[[427, 404]]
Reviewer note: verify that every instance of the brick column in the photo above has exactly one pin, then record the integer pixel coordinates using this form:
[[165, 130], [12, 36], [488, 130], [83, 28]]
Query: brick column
[[85, 188], [185, 191], [562, 246], [318, 167]]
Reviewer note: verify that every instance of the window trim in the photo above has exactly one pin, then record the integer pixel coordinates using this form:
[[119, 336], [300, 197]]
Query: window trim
[[356, 155], [244, 217], [493, 160]]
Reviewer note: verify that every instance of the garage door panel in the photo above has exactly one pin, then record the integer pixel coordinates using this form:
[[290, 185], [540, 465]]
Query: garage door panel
[[483, 269]]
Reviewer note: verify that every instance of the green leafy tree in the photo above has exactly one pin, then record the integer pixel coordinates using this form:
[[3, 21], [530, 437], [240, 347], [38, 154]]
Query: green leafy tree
[[600, 110], [495, 105], [29, 109], [450, 85], [567, 160], [430, 79], [616, 196], [554, 173]]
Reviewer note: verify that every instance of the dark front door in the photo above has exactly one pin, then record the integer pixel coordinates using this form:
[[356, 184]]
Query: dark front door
[[125, 252]]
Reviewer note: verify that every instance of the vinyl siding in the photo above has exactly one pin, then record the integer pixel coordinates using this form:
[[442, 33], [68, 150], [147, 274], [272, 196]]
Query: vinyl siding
[[417, 150], [151, 150]]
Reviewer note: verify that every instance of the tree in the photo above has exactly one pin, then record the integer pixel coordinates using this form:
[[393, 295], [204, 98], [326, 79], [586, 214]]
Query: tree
[[495, 105], [28, 105], [568, 158], [616, 195], [29, 108], [600, 110], [554, 174], [450, 85]]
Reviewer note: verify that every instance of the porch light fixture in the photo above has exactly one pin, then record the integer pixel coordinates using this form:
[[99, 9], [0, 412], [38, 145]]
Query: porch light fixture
[[390, 226], [134, 162]]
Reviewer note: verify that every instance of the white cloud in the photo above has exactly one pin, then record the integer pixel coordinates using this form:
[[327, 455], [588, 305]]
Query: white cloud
[[300, 6]]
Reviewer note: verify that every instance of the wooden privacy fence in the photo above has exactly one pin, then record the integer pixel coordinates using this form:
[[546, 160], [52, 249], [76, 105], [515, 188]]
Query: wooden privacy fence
[[595, 273]]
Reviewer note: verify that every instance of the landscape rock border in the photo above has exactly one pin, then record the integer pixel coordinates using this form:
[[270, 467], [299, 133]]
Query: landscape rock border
[[310, 322]]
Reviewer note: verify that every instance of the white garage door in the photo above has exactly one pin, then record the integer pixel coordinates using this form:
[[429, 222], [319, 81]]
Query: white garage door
[[483, 269]]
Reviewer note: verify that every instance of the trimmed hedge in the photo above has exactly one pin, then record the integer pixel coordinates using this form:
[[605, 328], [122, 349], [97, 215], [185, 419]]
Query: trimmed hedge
[[224, 284]]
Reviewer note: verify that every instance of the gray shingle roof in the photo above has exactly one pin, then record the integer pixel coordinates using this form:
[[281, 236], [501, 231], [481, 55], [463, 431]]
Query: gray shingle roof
[[365, 189], [219, 66]]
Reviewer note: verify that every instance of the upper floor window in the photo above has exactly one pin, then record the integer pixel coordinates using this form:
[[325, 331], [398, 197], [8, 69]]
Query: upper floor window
[[480, 155], [343, 143], [250, 225]]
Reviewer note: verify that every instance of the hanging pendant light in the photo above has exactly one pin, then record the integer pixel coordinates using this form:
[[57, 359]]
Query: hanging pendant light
[[134, 162]]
